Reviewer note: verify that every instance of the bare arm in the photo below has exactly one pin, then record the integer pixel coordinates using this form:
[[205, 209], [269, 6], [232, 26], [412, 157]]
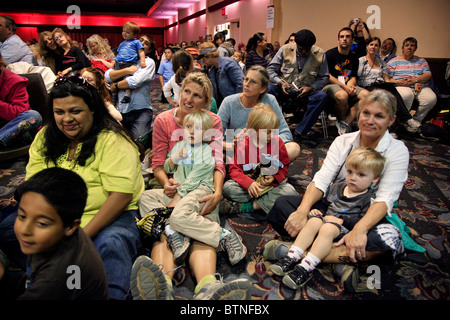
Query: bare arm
[[212, 200], [108, 213], [298, 218]]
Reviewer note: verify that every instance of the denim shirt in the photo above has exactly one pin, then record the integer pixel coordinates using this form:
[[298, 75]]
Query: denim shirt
[[139, 83], [228, 78], [14, 49]]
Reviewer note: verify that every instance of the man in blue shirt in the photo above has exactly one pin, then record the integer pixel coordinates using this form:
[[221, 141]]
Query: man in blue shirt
[[165, 70], [138, 113], [12, 48]]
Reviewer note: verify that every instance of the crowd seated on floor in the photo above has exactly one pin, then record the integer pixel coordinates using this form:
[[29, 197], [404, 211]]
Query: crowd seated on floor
[[235, 120]]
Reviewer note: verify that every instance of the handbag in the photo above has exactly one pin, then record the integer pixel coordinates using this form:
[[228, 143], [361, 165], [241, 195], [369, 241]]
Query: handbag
[[154, 222]]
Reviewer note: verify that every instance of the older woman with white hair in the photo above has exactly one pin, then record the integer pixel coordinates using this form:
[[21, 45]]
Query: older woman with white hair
[[373, 234]]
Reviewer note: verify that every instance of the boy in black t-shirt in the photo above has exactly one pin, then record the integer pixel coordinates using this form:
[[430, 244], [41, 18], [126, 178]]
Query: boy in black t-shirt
[[342, 88], [63, 263]]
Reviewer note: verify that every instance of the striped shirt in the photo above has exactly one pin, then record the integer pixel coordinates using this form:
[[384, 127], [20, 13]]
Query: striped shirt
[[400, 68]]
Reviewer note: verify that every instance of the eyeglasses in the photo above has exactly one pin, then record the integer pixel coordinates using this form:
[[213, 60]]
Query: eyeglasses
[[58, 37], [74, 79], [250, 81]]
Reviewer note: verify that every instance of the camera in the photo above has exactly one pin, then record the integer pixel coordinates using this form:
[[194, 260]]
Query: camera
[[292, 93]]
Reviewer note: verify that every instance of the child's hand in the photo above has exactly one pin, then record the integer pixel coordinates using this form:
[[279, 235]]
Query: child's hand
[[315, 212], [181, 154], [254, 190], [143, 65], [174, 200], [266, 180], [240, 136]]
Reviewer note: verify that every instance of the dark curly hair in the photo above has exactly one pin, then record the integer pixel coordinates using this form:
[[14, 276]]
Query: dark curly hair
[[56, 143]]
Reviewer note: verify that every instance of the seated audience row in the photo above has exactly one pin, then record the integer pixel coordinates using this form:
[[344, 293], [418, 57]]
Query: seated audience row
[[87, 135]]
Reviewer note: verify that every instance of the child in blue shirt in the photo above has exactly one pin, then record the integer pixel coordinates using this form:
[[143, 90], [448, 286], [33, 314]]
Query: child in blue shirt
[[129, 52]]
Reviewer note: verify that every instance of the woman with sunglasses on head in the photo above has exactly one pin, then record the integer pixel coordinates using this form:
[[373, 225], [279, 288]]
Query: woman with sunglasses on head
[[72, 59], [235, 108], [83, 137]]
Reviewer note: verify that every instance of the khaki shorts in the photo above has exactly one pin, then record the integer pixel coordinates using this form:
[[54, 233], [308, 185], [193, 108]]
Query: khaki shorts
[[331, 89]]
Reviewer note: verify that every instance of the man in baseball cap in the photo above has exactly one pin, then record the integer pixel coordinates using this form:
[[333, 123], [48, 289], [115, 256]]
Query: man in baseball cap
[[298, 72]]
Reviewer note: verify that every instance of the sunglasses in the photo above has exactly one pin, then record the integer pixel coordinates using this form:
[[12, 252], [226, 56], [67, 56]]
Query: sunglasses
[[74, 79]]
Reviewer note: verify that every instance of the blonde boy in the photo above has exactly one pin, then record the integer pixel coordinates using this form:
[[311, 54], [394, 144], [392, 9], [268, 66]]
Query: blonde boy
[[347, 203]]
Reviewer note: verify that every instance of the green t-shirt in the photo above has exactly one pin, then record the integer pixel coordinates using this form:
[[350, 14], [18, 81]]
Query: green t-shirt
[[197, 169], [114, 167]]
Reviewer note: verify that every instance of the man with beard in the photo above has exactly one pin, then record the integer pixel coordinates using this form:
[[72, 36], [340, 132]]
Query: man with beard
[[298, 72]]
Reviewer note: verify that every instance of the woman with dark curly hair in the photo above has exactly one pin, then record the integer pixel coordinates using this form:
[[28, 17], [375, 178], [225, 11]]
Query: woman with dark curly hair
[[83, 137]]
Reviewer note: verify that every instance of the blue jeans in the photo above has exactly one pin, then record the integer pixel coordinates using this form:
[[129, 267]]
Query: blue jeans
[[315, 103], [28, 121], [138, 122], [9, 243], [118, 245]]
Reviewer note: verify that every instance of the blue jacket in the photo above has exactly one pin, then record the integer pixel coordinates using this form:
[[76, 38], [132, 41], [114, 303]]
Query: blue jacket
[[229, 78]]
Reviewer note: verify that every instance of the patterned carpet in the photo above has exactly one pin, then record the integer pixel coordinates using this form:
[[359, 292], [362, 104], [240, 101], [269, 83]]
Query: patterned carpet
[[424, 206]]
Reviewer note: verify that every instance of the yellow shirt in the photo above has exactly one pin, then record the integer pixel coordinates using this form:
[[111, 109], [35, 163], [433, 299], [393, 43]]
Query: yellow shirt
[[114, 167]]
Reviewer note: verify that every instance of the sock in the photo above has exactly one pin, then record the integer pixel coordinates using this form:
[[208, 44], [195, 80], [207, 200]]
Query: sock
[[224, 233], [169, 231], [295, 253], [205, 280], [127, 93], [310, 262], [247, 207]]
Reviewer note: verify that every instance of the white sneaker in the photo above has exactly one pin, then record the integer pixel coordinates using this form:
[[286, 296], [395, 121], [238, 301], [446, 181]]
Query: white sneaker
[[412, 125]]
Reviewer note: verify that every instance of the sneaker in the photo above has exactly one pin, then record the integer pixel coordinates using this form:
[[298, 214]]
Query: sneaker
[[179, 244], [282, 266], [234, 247], [412, 125], [297, 277], [275, 249], [239, 289], [349, 276], [148, 282], [228, 207], [342, 127]]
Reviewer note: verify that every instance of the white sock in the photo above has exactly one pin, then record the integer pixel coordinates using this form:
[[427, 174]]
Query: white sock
[[310, 262], [295, 253], [169, 231], [224, 233]]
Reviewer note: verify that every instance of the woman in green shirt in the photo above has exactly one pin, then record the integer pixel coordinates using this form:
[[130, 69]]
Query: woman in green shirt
[[83, 137]]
